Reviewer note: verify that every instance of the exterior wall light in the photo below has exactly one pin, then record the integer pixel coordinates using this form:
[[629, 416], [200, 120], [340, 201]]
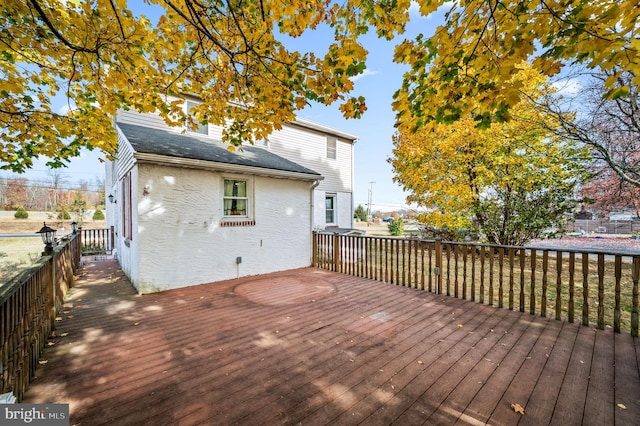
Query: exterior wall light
[[111, 198], [48, 235]]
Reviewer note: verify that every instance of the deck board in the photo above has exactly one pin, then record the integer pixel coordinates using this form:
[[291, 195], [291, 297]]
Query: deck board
[[545, 393], [315, 347]]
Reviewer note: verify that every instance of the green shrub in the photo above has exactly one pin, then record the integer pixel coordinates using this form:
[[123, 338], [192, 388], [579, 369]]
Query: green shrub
[[98, 215], [396, 227], [63, 214], [360, 214], [21, 214]]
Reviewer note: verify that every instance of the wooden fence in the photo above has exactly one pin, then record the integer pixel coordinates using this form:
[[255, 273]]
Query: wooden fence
[[97, 241], [28, 307], [595, 286]]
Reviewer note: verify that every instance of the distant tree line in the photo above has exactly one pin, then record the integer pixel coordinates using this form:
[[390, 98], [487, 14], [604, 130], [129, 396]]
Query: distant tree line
[[53, 194]]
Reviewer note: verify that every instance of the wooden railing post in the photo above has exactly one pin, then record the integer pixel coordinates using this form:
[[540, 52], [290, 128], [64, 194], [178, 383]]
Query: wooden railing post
[[52, 308], [437, 271], [314, 248], [336, 252]]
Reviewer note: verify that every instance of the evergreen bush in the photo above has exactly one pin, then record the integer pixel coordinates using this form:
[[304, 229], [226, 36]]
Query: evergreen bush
[[98, 215], [21, 213], [396, 227], [63, 214]]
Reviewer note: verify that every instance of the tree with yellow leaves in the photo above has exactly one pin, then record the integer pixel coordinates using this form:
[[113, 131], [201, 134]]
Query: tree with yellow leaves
[[99, 57], [466, 68], [511, 182]]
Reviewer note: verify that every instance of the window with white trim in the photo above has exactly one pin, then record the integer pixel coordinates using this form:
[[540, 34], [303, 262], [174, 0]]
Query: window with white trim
[[237, 202], [332, 148], [204, 128], [236, 198], [330, 208]]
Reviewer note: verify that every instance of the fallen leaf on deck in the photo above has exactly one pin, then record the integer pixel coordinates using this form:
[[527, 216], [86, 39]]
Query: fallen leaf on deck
[[43, 362], [51, 343], [624, 407], [58, 318], [459, 325], [64, 334], [517, 408], [420, 362]]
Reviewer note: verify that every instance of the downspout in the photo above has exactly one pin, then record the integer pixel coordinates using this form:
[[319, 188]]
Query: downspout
[[313, 188], [313, 211], [353, 179]]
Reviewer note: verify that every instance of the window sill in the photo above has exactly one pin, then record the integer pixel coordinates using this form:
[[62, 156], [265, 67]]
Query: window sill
[[237, 222]]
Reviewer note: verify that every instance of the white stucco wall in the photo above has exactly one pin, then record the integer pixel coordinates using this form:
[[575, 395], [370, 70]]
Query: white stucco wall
[[180, 239], [125, 252], [302, 145]]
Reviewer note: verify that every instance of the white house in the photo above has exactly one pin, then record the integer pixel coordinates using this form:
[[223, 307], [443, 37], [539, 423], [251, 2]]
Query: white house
[[188, 211]]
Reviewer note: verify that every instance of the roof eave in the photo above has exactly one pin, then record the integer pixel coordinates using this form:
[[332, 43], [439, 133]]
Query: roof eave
[[302, 122], [191, 163]]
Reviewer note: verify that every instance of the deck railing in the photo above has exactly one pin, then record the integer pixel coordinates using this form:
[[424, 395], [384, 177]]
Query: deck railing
[[28, 307], [594, 286], [97, 241]]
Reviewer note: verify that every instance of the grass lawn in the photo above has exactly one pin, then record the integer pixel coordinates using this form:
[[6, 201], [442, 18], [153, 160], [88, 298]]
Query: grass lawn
[[17, 254]]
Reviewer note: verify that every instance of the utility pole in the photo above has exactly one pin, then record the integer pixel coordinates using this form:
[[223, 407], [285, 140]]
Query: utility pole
[[369, 202]]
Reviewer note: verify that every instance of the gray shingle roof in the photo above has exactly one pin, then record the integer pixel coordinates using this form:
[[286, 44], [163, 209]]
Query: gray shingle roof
[[162, 142]]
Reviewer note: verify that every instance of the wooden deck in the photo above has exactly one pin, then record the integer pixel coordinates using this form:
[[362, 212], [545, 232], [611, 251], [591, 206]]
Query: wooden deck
[[315, 347]]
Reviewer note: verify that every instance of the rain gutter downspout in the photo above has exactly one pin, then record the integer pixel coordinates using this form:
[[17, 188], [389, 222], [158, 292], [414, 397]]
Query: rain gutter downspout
[[311, 216]]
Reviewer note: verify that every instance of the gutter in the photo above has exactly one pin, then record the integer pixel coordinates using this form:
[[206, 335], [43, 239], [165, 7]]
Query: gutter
[[224, 167], [313, 212]]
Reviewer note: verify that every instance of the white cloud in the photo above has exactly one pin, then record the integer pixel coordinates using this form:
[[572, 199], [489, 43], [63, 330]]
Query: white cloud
[[570, 87], [366, 73], [414, 8], [64, 109]]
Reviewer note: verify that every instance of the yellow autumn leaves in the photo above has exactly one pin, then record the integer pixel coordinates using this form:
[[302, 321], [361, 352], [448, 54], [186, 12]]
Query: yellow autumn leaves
[[97, 56], [466, 67], [495, 180]]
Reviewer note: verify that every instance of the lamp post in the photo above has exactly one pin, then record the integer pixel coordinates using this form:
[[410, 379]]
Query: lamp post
[[74, 227], [48, 235]]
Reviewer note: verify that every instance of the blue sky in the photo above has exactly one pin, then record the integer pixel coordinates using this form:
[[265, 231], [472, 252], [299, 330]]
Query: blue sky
[[381, 79]]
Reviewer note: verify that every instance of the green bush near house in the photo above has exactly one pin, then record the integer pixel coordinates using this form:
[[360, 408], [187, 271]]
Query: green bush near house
[[98, 215], [396, 227], [21, 213]]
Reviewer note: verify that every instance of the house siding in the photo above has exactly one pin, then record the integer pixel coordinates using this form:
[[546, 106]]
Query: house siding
[[180, 239], [299, 144], [308, 148], [148, 119], [344, 209]]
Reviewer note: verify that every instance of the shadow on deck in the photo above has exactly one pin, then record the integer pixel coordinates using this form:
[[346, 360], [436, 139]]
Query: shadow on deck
[[316, 347]]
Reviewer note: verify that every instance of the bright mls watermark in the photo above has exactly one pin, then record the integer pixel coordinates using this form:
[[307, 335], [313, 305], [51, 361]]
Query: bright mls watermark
[[34, 414]]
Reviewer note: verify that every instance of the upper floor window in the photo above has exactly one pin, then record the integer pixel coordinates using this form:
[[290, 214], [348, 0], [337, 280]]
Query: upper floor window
[[331, 148], [204, 128], [236, 199], [330, 208]]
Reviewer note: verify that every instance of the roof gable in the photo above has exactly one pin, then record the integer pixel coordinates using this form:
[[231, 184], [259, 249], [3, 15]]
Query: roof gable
[[147, 140]]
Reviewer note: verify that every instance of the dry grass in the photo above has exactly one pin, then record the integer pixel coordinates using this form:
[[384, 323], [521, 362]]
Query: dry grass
[[17, 254]]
